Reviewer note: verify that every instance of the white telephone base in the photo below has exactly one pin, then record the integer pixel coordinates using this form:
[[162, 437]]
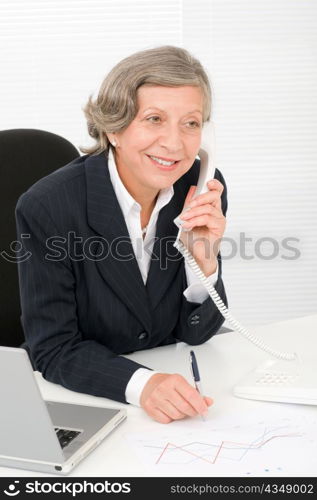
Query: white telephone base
[[280, 381]]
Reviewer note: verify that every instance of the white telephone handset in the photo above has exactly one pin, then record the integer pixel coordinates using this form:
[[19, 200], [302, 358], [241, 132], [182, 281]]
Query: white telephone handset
[[207, 161], [274, 370]]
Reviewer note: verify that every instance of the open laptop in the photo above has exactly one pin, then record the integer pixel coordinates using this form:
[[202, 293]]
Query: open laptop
[[40, 435]]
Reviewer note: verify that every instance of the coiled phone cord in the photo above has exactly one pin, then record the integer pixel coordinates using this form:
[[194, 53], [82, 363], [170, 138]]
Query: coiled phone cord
[[223, 309]]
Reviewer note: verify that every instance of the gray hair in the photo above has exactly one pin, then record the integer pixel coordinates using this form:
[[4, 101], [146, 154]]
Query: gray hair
[[116, 104]]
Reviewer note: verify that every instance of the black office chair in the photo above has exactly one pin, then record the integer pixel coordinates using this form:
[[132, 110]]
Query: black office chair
[[26, 155]]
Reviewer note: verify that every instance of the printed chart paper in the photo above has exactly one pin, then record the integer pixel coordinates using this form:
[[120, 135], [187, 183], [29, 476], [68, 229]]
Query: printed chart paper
[[275, 443]]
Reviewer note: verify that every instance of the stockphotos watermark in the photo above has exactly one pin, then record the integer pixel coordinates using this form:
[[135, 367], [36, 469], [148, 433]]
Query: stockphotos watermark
[[71, 488], [97, 248]]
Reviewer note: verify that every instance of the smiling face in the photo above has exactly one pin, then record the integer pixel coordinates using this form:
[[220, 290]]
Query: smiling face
[[162, 141]]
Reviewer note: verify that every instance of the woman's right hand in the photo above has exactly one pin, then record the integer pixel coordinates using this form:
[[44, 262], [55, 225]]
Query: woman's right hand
[[167, 397]]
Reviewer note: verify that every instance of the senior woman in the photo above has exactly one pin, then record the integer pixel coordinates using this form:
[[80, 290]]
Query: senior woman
[[104, 278]]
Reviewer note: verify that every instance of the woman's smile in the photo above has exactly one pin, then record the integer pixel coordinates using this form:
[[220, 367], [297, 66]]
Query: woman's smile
[[163, 163]]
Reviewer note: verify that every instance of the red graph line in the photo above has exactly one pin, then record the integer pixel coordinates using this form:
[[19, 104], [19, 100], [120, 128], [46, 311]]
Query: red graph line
[[222, 445], [219, 450], [181, 448], [159, 458]]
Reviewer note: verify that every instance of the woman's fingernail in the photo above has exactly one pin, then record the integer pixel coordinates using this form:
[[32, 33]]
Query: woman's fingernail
[[184, 216]]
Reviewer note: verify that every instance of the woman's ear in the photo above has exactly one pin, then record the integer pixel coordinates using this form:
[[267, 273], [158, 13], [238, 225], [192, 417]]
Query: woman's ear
[[112, 139]]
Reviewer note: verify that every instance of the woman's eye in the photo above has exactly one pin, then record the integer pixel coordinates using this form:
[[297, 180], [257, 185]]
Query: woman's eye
[[154, 119], [193, 124]]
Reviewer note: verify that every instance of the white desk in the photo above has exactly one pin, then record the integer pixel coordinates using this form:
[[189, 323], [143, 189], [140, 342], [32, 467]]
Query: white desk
[[223, 361]]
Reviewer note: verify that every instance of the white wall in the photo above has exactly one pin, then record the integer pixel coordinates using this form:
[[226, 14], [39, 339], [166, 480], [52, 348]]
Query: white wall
[[261, 57]]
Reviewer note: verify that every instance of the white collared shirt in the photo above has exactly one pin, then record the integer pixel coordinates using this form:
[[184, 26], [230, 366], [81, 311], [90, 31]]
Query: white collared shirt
[[131, 210]]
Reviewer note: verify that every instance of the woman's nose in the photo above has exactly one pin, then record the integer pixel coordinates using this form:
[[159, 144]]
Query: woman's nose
[[171, 139]]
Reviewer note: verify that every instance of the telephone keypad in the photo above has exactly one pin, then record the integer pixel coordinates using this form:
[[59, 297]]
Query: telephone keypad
[[276, 378]]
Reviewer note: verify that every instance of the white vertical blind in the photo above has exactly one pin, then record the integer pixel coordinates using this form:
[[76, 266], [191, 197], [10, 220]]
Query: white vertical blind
[[54, 53], [261, 58]]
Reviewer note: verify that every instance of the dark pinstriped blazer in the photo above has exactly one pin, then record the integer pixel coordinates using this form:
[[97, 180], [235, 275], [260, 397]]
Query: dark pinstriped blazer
[[83, 307]]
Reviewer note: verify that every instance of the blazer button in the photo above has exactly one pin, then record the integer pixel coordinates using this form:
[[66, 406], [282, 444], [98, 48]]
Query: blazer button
[[194, 322], [142, 336], [195, 317]]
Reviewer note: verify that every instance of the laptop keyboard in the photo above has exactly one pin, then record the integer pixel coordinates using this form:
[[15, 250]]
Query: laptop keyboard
[[65, 436]]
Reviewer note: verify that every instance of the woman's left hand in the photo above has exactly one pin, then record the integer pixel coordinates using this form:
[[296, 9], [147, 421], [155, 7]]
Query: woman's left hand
[[206, 223]]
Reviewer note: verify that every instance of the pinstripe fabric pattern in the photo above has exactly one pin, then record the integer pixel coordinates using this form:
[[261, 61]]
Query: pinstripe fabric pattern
[[83, 300]]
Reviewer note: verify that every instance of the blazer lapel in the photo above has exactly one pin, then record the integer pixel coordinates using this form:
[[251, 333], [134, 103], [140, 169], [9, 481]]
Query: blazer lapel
[[119, 268], [165, 258]]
